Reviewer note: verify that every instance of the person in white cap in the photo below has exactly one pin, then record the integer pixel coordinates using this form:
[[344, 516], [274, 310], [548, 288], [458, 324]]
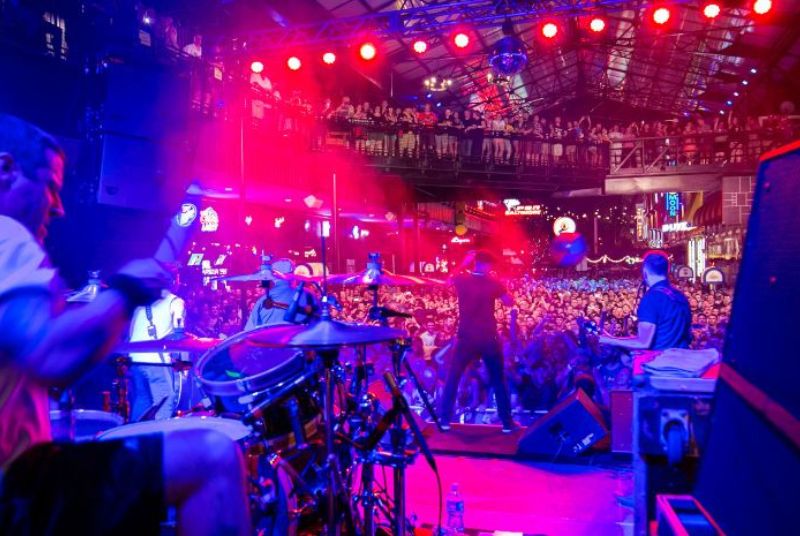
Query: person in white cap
[[279, 293]]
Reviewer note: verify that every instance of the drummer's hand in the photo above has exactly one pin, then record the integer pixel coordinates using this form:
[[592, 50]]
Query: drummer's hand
[[150, 273]]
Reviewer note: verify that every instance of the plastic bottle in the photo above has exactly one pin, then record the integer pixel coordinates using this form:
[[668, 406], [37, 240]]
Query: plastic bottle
[[455, 511]]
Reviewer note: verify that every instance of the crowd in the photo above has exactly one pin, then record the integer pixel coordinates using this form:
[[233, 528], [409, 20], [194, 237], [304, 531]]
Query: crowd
[[547, 354]]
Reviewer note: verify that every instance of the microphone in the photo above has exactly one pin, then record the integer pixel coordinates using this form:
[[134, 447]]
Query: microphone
[[291, 312]]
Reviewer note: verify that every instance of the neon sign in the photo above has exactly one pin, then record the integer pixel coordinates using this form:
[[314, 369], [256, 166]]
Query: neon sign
[[673, 203]]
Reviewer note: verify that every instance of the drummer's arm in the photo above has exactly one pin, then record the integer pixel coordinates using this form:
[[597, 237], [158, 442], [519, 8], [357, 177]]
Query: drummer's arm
[[53, 348]]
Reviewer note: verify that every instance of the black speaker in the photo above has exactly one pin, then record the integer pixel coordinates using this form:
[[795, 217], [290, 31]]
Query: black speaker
[[750, 470], [571, 427]]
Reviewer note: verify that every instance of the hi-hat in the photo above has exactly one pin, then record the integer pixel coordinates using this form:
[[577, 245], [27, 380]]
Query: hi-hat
[[372, 277], [185, 342], [323, 334]]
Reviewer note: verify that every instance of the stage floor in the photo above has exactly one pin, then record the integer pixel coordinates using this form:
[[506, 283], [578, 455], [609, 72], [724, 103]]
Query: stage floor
[[528, 497]]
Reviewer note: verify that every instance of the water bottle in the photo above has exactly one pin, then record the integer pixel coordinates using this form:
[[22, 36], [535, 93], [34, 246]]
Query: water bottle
[[455, 511]]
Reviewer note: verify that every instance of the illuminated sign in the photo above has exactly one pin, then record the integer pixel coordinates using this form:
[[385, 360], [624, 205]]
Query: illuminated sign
[[515, 208], [564, 225], [677, 227], [209, 220], [713, 276], [641, 223], [673, 203], [459, 240]]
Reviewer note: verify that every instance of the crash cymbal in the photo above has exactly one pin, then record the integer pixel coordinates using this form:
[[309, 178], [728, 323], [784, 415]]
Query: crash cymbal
[[323, 334], [384, 277], [185, 342], [262, 275]]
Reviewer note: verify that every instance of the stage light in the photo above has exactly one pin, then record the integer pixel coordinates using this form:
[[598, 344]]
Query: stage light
[[745, 82], [729, 102], [711, 10], [762, 7], [420, 46], [329, 58], [597, 24], [661, 15], [368, 51], [257, 67], [293, 63], [735, 93], [550, 30], [753, 71], [248, 220], [461, 40]]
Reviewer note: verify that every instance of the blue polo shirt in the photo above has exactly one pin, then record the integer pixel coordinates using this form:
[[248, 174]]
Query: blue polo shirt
[[667, 308]]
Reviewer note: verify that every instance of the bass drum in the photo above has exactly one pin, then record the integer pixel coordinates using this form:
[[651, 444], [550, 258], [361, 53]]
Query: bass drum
[[273, 498], [240, 374]]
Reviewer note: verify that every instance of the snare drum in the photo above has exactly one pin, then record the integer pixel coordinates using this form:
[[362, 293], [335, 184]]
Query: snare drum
[[240, 373]]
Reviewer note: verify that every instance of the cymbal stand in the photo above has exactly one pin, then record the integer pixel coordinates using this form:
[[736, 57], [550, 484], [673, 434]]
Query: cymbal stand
[[399, 350]]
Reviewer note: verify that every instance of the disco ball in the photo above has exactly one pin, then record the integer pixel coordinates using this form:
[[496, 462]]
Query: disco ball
[[508, 56]]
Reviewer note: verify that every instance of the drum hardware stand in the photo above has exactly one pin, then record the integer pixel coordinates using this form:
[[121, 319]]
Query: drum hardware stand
[[121, 386], [399, 349]]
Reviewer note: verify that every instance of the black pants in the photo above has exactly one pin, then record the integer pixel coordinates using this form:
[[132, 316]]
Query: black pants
[[466, 351]]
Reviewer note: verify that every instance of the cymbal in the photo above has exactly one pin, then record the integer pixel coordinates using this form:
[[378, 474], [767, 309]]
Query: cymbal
[[323, 334], [384, 277], [183, 343], [262, 275]]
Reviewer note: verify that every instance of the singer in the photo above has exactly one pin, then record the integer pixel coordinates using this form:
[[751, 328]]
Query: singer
[[477, 334], [665, 319], [278, 305]]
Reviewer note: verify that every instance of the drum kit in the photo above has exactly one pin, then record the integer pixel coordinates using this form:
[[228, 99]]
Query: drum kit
[[312, 433]]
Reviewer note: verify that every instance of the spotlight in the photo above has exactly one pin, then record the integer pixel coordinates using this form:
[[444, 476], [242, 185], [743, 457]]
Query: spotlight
[[329, 58], [549, 30], [729, 102], [753, 70], [257, 67], [661, 15], [711, 10], [368, 51], [597, 24], [293, 63], [745, 82], [420, 46], [461, 40], [735, 93], [762, 7], [147, 20]]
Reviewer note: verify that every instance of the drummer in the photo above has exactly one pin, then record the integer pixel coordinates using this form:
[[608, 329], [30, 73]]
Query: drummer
[[279, 293], [112, 487]]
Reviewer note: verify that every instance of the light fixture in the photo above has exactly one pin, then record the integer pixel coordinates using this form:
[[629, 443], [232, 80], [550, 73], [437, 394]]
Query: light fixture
[[329, 58], [420, 46], [597, 24], [437, 84], [711, 10], [294, 63], [257, 67], [762, 7], [461, 40], [550, 30], [661, 15], [368, 51]]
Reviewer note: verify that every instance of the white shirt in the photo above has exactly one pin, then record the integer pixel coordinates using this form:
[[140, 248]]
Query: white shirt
[[193, 50], [24, 406], [167, 313]]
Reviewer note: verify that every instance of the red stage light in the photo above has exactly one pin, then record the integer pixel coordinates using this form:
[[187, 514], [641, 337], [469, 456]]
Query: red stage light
[[711, 11], [294, 63], [597, 24], [550, 30], [329, 58], [368, 51], [420, 46], [762, 7], [661, 15], [257, 67], [461, 40]]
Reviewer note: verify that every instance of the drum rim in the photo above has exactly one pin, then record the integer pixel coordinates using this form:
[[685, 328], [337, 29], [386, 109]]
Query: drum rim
[[247, 384], [88, 413], [103, 436]]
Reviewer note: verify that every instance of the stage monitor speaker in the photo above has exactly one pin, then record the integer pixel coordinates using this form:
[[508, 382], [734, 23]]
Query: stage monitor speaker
[[750, 469], [571, 427], [141, 174]]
